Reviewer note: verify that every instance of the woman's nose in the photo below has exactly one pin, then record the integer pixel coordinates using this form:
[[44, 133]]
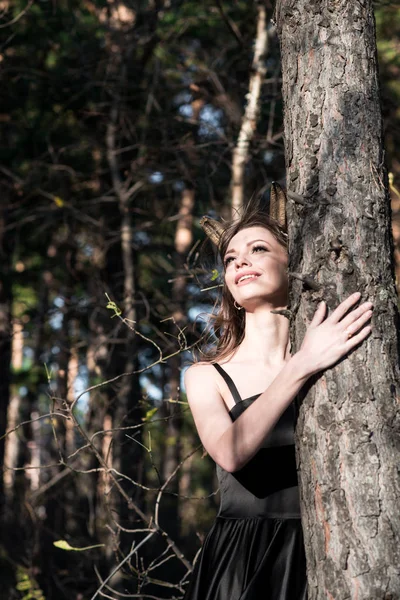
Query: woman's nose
[[242, 260]]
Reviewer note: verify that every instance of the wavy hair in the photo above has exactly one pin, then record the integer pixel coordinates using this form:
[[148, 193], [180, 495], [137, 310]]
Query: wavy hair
[[227, 324]]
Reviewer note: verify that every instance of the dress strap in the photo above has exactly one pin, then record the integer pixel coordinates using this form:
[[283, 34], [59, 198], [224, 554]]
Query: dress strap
[[232, 387]]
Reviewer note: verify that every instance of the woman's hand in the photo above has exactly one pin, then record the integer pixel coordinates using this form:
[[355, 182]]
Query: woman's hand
[[327, 340]]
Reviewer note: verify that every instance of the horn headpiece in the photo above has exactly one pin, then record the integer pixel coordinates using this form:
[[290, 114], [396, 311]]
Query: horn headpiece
[[277, 211]]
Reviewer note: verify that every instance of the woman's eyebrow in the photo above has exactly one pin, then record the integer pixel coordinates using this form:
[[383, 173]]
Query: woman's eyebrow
[[248, 244]]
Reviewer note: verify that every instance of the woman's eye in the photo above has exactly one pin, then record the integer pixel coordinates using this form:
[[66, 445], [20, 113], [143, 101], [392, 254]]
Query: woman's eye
[[258, 248], [228, 260]]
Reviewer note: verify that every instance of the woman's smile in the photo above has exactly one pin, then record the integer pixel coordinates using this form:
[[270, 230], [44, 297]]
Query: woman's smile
[[243, 278]]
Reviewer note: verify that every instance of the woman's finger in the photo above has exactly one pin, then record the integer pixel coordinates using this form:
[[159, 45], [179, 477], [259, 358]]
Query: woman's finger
[[343, 307], [319, 314], [359, 337], [356, 325], [356, 314]]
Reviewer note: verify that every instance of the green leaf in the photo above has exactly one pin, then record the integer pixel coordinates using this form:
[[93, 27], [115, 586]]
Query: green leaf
[[23, 585], [112, 306], [149, 414], [59, 201], [64, 545]]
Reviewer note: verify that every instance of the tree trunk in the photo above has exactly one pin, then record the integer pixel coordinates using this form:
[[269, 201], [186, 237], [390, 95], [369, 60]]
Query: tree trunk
[[125, 408], [340, 237], [172, 454], [249, 122], [395, 205], [12, 441], [6, 248], [97, 484], [183, 242]]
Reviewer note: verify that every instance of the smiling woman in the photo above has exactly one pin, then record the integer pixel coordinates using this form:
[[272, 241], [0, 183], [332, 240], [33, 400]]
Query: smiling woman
[[245, 417], [266, 235]]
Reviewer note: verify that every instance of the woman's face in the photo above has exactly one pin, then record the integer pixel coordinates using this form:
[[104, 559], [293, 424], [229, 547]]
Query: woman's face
[[256, 268]]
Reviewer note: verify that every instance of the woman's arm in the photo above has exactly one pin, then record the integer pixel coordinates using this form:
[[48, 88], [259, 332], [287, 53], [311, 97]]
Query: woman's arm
[[232, 445]]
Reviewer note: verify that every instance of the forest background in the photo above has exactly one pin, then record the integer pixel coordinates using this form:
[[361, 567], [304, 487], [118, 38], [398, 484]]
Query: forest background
[[120, 126]]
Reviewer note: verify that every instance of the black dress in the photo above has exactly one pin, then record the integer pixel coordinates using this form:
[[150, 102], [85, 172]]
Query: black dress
[[255, 550]]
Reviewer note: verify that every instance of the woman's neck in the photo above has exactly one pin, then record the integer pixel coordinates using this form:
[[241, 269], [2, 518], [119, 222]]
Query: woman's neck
[[266, 338]]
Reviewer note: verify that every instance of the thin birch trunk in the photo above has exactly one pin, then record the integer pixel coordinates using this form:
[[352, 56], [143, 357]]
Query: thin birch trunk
[[252, 111], [340, 237]]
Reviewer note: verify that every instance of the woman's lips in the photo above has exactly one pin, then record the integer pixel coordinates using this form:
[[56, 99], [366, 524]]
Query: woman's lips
[[247, 280]]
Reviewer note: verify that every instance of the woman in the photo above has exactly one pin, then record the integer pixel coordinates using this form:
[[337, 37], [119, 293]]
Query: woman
[[241, 401]]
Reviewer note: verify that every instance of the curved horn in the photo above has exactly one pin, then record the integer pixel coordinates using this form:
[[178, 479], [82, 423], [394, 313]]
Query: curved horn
[[213, 229], [277, 206]]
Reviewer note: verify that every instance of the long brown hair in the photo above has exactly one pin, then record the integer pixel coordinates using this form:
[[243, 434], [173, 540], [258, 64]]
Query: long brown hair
[[227, 324]]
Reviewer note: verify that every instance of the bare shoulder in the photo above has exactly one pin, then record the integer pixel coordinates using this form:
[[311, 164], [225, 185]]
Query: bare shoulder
[[208, 409], [200, 373], [201, 383], [199, 370]]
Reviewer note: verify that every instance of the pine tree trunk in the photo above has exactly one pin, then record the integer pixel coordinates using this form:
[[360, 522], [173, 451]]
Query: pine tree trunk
[[96, 484], [12, 441], [173, 443], [183, 242], [340, 237], [125, 408], [6, 249]]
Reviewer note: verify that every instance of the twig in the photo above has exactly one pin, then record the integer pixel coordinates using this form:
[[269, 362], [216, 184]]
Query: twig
[[233, 28], [18, 17], [121, 564], [46, 416], [307, 279]]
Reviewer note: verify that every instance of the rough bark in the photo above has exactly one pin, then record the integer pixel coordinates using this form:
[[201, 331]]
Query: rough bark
[[249, 122], [340, 236]]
